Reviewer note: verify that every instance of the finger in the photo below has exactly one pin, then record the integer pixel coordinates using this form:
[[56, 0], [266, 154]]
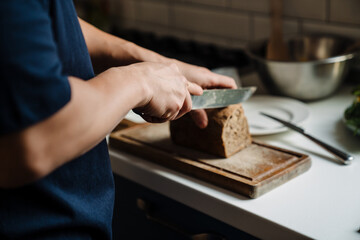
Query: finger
[[194, 89], [187, 105], [170, 116], [226, 82], [167, 114], [222, 81], [199, 117]]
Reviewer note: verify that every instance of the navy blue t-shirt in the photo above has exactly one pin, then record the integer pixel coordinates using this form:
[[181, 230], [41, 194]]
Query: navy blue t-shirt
[[41, 44]]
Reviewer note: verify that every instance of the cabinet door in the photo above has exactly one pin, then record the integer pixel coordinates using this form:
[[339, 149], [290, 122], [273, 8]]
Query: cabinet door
[[140, 213]]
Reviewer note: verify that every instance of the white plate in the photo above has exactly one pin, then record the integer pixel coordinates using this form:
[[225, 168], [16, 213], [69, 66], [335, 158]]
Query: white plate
[[284, 108]]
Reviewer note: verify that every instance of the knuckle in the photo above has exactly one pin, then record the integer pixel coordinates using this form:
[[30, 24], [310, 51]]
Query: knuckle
[[212, 81], [174, 66], [178, 106], [204, 70], [184, 80]]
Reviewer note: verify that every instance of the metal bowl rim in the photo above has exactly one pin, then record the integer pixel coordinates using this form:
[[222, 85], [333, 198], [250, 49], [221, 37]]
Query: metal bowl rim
[[337, 58]]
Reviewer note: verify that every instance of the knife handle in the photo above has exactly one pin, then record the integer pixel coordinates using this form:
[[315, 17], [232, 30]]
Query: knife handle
[[342, 156]]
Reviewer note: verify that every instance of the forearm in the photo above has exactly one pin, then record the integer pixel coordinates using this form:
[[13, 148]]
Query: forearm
[[108, 51], [96, 106]]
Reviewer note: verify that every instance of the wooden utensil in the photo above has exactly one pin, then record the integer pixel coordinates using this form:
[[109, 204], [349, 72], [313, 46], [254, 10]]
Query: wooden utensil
[[277, 49]]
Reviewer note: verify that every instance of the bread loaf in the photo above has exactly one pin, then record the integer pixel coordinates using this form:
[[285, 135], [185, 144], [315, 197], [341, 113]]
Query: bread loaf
[[226, 134]]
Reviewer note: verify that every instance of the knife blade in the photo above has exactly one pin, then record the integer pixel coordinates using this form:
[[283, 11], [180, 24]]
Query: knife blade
[[217, 98], [340, 155]]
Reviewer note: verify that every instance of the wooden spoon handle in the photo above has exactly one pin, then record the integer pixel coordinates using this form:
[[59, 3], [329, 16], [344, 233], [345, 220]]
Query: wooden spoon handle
[[276, 8]]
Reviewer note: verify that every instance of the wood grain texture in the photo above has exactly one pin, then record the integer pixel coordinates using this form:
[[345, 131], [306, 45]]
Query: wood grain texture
[[253, 171]]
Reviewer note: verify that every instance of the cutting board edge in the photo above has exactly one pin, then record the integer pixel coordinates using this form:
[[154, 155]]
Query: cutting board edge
[[245, 187], [162, 158], [274, 181]]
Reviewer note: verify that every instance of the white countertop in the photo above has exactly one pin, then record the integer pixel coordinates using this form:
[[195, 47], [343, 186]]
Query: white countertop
[[322, 203]]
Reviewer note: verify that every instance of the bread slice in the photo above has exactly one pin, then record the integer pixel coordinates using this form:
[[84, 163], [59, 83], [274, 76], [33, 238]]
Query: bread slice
[[226, 134]]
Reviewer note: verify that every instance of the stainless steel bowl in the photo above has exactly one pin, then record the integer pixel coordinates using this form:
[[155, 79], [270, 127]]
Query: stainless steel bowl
[[316, 68]]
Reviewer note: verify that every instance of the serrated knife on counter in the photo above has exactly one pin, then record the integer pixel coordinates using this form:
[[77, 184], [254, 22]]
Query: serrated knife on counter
[[217, 98]]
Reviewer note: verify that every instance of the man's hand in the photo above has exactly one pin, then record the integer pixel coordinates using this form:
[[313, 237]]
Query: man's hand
[[108, 51], [168, 91], [207, 80], [204, 77]]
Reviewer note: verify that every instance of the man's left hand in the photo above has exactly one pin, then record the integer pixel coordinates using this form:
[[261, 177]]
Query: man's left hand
[[207, 80]]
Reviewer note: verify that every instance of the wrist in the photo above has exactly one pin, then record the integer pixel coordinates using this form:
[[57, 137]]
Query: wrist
[[138, 88], [141, 54], [122, 86], [122, 53], [143, 88]]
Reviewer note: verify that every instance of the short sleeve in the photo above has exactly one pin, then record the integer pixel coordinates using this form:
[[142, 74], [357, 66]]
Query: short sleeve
[[32, 86]]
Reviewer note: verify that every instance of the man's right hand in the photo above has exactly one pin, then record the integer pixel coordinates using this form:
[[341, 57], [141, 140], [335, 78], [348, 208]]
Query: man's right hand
[[167, 91]]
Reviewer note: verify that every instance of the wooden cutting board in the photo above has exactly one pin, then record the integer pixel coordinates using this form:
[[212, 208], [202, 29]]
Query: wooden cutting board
[[252, 172]]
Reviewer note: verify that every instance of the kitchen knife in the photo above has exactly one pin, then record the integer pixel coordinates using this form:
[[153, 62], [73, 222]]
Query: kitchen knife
[[342, 156], [217, 98]]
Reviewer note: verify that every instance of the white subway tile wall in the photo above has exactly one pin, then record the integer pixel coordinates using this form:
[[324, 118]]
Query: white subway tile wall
[[345, 11], [251, 5], [341, 29], [233, 23], [213, 22], [313, 9], [153, 12], [261, 27], [220, 3]]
